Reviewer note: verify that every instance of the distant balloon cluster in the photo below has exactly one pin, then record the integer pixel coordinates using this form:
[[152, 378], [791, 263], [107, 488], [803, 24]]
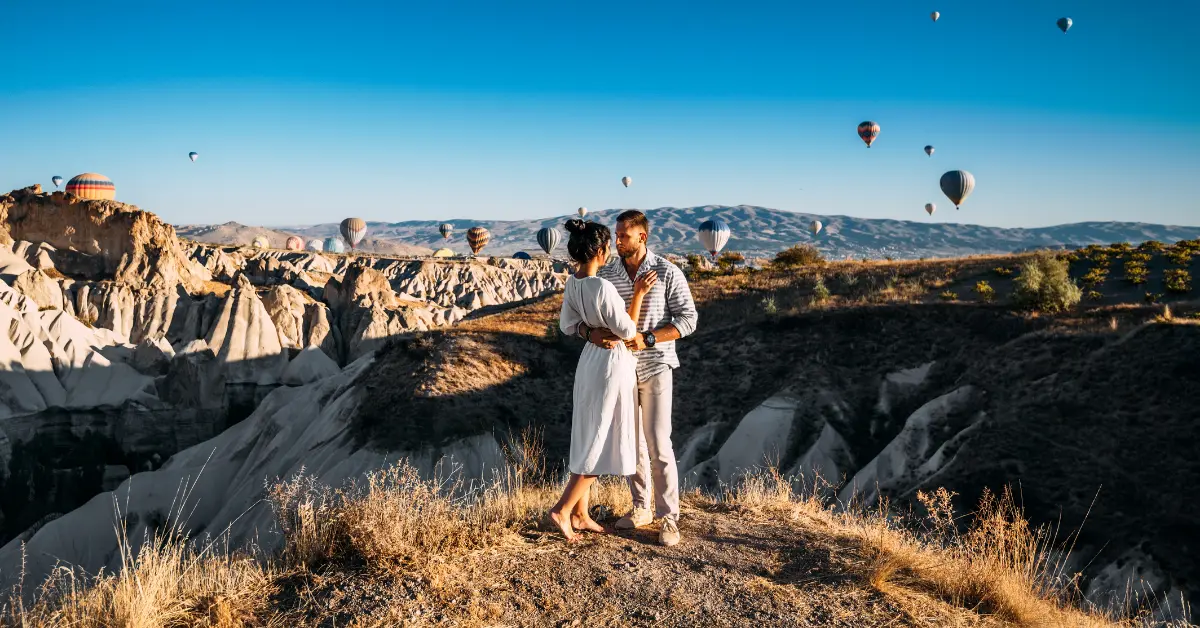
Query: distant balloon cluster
[[714, 233]]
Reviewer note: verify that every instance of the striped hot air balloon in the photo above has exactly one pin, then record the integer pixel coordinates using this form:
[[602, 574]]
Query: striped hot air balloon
[[92, 186], [935, 15], [334, 245], [713, 235], [316, 245], [262, 242], [547, 238], [56, 180], [446, 229], [930, 208], [294, 243], [353, 231], [929, 151], [477, 238], [868, 131], [957, 186]]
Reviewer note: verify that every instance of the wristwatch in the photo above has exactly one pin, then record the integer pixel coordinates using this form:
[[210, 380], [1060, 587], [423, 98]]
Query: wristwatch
[[648, 337]]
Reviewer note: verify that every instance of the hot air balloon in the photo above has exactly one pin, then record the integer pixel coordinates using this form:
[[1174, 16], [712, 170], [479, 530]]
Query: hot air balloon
[[193, 155], [935, 15], [868, 131], [477, 238], [930, 208], [1064, 23], [353, 231], [929, 151], [547, 238], [93, 186], [56, 180], [957, 186], [815, 227], [626, 181], [262, 242], [446, 229], [294, 243], [521, 255], [316, 245], [582, 211], [443, 253], [334, 245], [713, 234]]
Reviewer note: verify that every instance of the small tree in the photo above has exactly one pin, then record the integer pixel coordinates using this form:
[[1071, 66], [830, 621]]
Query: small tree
[[1045, 284], [799, 255], [728, 259]]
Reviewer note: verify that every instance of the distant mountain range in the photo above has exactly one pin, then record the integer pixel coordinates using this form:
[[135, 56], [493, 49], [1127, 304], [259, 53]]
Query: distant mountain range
[[757, 231]]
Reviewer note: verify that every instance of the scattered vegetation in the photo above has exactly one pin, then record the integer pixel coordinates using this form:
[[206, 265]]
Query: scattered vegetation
[[948, 295], [1151, 246], [1045, 285], [1003, 271], [797, 256], [1153, 297], [1095, 276], [820, 290], [1093, 295], [986, 292], [1136, 272]]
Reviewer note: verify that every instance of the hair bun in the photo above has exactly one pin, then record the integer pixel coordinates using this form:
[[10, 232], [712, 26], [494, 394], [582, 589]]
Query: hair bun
[[576, 225]]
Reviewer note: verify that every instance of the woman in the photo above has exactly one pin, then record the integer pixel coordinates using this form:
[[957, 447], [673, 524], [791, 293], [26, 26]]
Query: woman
[[603, 441]]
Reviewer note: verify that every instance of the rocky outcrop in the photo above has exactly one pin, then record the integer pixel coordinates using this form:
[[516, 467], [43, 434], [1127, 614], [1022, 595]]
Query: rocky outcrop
[[95, 239]]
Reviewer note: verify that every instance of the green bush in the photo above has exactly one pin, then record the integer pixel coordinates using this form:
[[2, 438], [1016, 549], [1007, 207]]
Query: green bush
[[769, 307], [1152, 297], [948, 295], [1002, 271], [1151, 246], [1177, 280], [1179, 255], [799, 255], [1093, 295], [1045, 284], [1095, 276], [1140, 257], [1121, 248], [985, 291], [820, 291], [1136, 272]]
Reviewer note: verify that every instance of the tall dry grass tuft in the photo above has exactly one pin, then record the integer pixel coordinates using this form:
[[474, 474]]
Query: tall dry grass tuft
[[994, 561], [168, 579]]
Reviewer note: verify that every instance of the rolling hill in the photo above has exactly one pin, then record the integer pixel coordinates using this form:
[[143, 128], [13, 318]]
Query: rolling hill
[[756, 231]]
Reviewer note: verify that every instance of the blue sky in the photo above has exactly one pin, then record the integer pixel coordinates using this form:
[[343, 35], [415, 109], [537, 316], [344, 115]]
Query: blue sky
[[307, 113]]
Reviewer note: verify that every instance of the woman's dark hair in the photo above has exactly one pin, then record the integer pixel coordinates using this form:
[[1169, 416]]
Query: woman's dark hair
[[587, 239]]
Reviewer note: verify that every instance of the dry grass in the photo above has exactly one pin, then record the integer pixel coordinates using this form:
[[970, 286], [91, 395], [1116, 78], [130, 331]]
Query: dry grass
[[396, 545]]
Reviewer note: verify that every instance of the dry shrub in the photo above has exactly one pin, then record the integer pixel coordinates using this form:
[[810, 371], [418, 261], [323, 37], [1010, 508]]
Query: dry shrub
[[799, 255], [1045, 285]]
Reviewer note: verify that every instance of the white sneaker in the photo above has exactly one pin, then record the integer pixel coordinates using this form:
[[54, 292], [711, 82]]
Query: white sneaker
[[669, 535], [636, 518]]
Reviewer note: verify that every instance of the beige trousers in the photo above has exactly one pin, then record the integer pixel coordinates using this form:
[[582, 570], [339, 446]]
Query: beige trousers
[[656, 456]]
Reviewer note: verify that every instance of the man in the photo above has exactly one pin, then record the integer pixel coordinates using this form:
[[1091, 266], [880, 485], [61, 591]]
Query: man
[[668, 313]]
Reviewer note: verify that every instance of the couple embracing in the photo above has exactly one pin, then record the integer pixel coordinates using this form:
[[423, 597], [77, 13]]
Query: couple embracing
[[630, 310]]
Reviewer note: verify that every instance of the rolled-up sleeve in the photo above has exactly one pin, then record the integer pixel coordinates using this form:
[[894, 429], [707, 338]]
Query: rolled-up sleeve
[[681, 308]]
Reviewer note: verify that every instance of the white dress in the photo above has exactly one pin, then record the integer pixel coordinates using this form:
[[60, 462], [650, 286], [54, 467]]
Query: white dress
[[603, 440]]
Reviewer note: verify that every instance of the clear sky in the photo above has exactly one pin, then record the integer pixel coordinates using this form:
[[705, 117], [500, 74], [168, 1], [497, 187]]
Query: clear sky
[[308, 112]]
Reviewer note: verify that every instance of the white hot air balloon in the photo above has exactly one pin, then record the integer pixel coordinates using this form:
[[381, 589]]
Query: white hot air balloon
[[815, 227], [582, 212], [929, 151], [713, 235], [626, 181], [930, 208], [193, 155], [56, 180], [935, 15]]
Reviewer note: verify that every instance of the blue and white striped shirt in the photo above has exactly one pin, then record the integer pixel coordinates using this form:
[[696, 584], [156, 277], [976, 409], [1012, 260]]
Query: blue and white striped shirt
[[669, 301]]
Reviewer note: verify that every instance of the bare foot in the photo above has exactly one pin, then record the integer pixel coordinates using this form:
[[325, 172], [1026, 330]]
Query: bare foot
[[564, 524], [586, 524]]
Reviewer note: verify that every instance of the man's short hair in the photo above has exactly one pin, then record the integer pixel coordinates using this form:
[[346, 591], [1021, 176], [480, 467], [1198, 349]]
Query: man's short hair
[[634, 218]]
